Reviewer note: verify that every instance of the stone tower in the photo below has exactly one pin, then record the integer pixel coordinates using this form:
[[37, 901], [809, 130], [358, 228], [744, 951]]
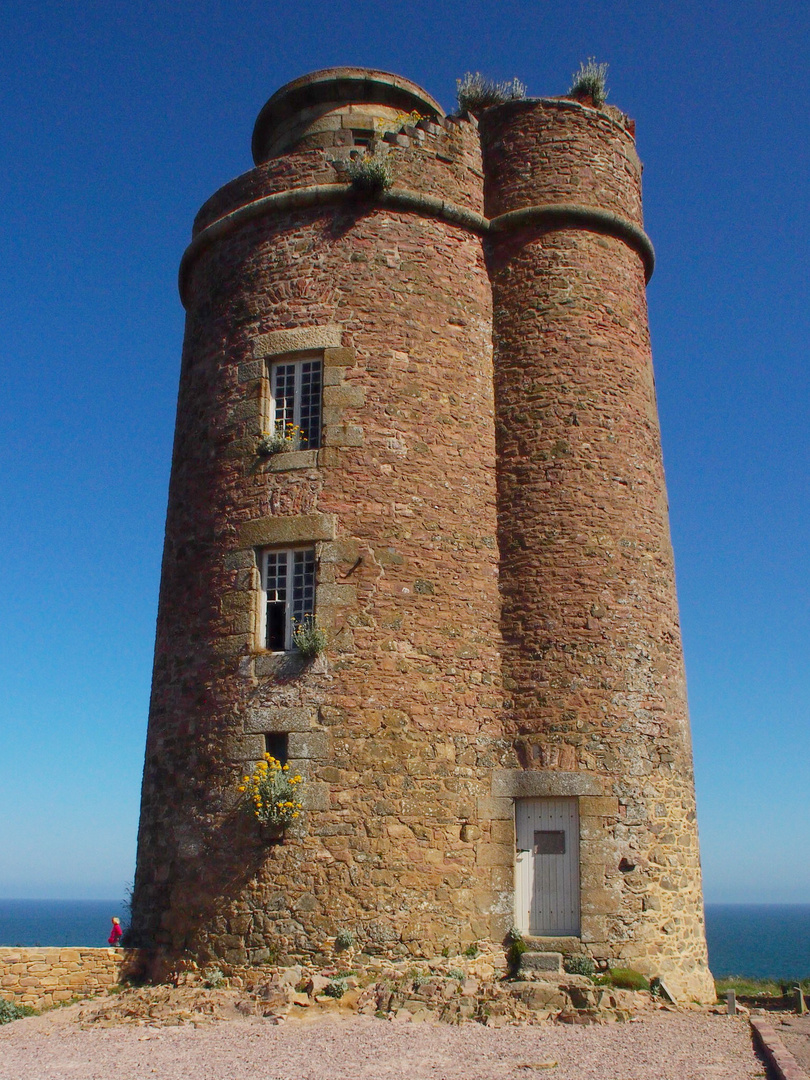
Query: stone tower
[[475, 514]]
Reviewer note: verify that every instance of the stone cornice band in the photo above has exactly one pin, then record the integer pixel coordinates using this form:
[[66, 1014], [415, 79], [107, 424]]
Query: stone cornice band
[[550, 217], [591, 218]]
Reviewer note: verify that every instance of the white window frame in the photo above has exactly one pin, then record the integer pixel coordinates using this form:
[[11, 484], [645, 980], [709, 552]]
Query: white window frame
[[295, 367], [278, 568]]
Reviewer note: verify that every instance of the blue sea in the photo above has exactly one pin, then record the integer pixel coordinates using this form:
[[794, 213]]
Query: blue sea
[[58, 922], [757, 940], [761, 941]]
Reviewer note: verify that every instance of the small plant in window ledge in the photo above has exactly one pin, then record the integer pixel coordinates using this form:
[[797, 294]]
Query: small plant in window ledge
[[285, 438], [272, 795], [308, 638]]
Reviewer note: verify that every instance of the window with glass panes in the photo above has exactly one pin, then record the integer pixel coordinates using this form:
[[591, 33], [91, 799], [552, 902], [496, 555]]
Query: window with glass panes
[[295, 388], [288, 587]]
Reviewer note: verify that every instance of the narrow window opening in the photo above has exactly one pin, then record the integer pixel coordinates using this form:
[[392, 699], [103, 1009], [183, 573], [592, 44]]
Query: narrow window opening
[[288, 588], [276, 637], [276, 744], [296, 391]]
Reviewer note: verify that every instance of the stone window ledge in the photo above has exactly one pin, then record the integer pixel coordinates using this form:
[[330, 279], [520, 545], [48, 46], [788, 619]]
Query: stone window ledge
[[285, 461]]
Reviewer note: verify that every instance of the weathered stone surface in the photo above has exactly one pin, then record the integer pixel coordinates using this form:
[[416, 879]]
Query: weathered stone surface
[[302, 528], [277, 342], [296, 459], [312, 744], [502, 623], [41, 977], [592, 651], [279, 718], [521, 784], [541, 961]]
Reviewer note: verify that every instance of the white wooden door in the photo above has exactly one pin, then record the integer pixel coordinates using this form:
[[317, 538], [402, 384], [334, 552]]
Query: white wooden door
[[547, 867]]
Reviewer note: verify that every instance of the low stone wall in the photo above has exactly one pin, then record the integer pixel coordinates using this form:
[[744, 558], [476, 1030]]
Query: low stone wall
[[41, 977]]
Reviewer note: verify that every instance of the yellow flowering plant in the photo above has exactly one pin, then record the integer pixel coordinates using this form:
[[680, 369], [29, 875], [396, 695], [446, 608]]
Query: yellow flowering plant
[[309, 638], [272, 794], [284, 438]]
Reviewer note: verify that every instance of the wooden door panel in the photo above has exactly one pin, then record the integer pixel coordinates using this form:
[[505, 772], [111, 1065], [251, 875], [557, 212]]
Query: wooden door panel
[[547, 868]]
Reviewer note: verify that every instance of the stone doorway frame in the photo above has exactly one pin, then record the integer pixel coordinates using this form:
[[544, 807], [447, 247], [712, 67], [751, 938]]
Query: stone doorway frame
[[599, 854]]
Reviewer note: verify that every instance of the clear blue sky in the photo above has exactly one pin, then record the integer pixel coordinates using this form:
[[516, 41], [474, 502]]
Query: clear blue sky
[[119, 120]]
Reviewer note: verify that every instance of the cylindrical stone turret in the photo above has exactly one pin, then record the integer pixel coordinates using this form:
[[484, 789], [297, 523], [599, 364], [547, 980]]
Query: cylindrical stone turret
[[496, 732], [592, 647], [375, 321]]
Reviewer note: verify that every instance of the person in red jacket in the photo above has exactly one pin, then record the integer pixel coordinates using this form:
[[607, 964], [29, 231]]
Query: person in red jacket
[[116, 933]]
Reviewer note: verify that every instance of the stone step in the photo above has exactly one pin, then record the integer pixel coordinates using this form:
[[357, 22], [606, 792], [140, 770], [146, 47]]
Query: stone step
[[548, 962], [568, 946]]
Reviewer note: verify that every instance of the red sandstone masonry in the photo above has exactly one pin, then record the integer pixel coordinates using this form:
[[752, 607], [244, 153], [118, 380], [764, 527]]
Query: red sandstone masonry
[[592, 641], [432, 506], [559, 152], [406, 716], [447, 164]]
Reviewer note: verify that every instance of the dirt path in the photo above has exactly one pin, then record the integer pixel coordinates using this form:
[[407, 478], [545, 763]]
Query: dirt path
[[663, 1046]]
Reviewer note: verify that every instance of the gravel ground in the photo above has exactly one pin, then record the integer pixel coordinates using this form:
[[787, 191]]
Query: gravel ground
[[794, 1031], [664, 1046]]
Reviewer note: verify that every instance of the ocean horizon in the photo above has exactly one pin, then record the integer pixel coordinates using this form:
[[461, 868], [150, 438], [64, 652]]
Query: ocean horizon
[[59, 922], [758, 941]]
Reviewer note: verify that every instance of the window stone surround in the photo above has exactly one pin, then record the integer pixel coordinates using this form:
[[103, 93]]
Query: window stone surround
[[308, 743]]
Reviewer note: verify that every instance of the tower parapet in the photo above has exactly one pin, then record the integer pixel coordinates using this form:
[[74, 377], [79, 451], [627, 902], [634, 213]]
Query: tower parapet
[[345, 106], [443, 522]]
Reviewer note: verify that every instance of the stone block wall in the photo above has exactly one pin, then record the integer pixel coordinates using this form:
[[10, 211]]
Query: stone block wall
[[42, 977], [396, 729], [592, 647], [488, 516]]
